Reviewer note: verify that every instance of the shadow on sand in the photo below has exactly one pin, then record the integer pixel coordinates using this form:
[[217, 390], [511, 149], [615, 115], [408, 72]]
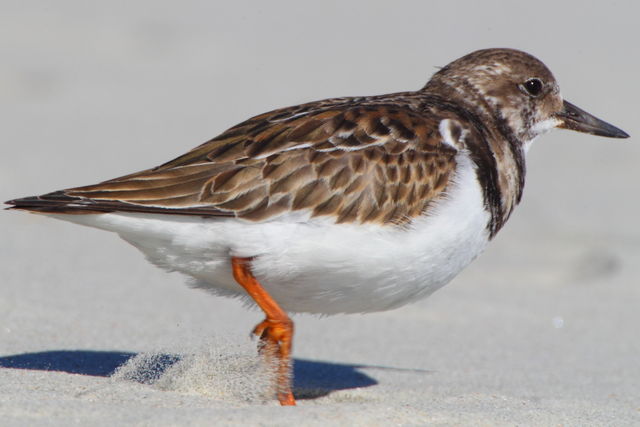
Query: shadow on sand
[[311, 378]]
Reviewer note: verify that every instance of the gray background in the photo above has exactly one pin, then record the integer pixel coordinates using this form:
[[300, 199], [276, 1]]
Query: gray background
[[542, 329]]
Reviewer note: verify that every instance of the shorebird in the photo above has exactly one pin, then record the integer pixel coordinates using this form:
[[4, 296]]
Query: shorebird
[[346, 205]]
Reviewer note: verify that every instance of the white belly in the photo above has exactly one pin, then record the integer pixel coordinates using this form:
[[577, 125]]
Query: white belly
[[315, 266]]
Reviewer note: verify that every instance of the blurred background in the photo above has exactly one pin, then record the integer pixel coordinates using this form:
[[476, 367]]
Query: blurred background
[[94, 90]]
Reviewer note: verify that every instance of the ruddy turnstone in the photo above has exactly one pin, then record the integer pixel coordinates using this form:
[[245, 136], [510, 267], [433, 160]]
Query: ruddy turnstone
[[346, 205]]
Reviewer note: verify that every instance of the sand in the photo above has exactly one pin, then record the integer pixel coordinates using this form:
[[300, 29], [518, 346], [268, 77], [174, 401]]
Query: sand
[[540, 330]]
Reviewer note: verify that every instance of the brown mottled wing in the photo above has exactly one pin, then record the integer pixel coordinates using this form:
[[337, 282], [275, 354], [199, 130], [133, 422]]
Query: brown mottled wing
[[373, 163]]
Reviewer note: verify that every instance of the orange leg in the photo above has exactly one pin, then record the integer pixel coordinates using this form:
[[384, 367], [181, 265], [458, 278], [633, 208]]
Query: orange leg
[[275, 332]]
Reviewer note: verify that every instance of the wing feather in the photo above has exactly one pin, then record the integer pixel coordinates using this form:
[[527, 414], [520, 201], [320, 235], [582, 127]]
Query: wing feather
[[380, 163]]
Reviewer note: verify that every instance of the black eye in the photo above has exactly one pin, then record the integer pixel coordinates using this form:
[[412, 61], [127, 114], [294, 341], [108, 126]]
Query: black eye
[[533, 87]]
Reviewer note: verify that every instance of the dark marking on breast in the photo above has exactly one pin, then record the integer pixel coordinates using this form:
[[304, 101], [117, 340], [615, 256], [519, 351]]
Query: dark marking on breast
[[482, 155]]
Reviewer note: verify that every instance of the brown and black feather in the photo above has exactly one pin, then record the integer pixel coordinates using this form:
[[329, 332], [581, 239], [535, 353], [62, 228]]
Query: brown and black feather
[[376, 159]]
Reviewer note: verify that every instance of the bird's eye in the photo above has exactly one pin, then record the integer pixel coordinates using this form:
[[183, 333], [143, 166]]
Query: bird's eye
[[533, 87]]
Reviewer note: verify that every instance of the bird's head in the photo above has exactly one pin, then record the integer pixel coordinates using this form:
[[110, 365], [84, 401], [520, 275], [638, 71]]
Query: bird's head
[[518, 91]]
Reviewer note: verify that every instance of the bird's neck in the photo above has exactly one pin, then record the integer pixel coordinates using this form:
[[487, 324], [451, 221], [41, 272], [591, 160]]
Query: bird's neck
[[494, 146]]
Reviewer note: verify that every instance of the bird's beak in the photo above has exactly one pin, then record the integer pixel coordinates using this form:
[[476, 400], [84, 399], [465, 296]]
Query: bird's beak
[[572, 117]]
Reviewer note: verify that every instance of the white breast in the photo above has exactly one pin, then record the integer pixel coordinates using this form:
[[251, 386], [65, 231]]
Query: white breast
[[315, 266]]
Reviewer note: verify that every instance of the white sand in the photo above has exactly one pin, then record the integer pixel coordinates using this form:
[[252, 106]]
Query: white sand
[[541, 330]]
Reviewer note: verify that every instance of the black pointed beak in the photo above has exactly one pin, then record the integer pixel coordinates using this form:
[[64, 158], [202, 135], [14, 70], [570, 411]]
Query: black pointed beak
[[579, 120]]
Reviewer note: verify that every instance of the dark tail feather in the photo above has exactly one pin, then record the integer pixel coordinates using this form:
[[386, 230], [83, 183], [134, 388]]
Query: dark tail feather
[[59, 202]]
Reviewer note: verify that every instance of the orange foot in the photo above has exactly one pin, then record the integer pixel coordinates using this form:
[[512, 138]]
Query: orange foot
[[275, 346], [275, 332]]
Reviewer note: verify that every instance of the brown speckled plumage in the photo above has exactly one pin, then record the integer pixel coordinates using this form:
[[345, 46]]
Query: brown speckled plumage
[[378, 159], [354, 204]]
